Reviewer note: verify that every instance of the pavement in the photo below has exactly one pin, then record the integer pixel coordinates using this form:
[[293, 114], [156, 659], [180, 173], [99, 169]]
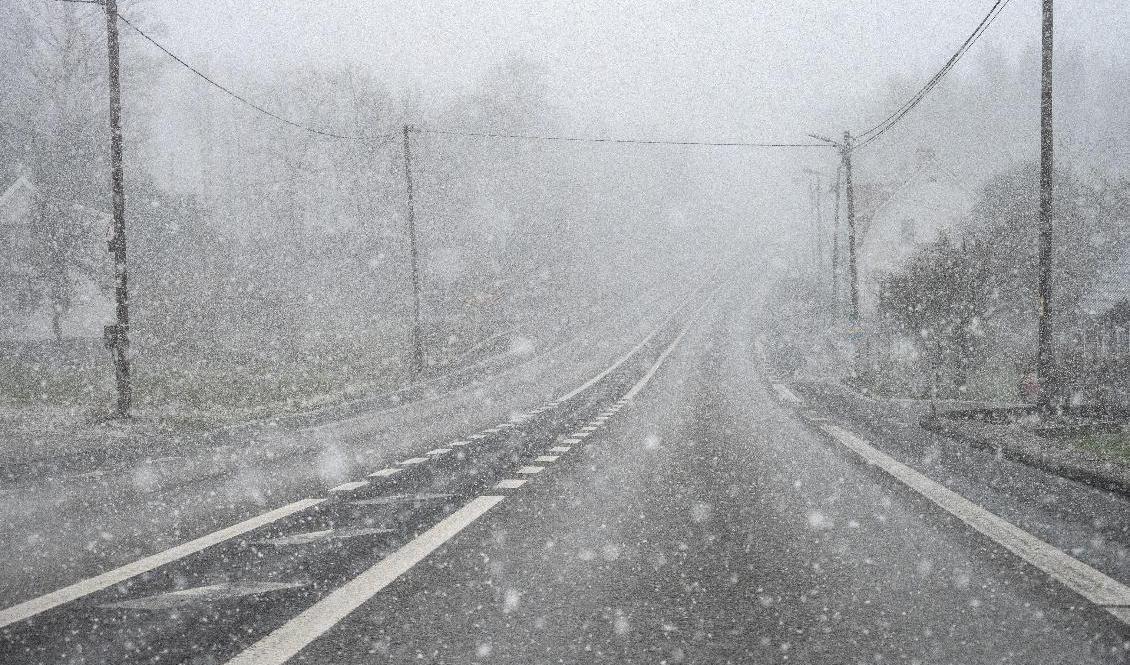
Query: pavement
[[677, 507]]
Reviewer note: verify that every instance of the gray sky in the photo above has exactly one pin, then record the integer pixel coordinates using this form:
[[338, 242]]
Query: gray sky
[[708, 70]]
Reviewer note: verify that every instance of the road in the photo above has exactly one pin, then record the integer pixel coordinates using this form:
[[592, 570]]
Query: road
[[677, 508]]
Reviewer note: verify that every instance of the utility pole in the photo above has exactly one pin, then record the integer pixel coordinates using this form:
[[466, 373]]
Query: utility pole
[[417, 341], [853, 268], [1044, 358], [117, 335], [836, 246]]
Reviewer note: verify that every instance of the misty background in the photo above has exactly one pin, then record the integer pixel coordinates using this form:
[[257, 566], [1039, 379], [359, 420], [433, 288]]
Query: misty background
[[269, 265]]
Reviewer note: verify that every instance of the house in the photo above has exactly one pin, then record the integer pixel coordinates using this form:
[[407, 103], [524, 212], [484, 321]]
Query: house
[[1095, 345], [929, 201], [50, 272]]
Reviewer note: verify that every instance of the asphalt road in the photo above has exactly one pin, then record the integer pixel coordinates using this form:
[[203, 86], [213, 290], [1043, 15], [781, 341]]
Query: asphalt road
[[680, 511]]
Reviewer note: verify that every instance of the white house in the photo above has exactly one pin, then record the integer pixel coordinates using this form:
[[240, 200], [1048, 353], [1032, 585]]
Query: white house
[[929, 201], [26, 313]]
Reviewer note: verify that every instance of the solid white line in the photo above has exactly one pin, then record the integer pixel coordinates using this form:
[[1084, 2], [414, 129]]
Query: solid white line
[[510, 484], [385, 473], [109, 578], [546, 458], [530, 470], [414, 460], [349, 487], [658, 363], [623, 359], [785, 394], [1072, 573], [280, 645]]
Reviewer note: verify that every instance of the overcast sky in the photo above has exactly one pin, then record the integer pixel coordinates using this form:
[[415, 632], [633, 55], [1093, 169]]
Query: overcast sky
[[704, 69]]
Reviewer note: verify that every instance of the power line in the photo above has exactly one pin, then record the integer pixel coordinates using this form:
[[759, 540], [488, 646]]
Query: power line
[[582, 139], [244, 100], [898, 114]]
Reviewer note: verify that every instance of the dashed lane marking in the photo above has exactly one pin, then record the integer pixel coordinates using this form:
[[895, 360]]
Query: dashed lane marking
[[580, 435], [546, 458], [438, 451], [279, 646], [414, 460], [560, 449], [531, 469], [1092, 584], [459, 443], [572, 441], [590, 428], [109, 578], [477, 436], [385, 473], [510, 484]]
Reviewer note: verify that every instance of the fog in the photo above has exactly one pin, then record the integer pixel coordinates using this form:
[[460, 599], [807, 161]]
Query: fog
[[718, 328]]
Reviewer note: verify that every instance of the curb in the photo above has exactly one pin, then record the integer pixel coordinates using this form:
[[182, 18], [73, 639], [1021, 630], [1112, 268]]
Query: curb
[[1070, 464]]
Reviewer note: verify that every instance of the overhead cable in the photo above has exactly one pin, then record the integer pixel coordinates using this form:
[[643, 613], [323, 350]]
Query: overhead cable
[[244, 100], [898, 114]]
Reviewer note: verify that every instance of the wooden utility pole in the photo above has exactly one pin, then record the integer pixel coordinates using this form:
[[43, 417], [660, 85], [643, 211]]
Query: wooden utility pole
[[853, 269], [836, 245], [117, 335], [1044, 352], [417, 341]]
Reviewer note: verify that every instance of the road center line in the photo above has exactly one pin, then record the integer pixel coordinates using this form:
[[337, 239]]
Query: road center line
[[109, 578], [280, 645], [1092, 584]]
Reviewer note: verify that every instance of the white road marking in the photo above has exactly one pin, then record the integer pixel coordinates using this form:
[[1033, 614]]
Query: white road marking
[[459, 443], [658, 363], [493, 430], [279, 646], [438, 451], [572, 441], [590, 428], [510, 484], [385, 473], [414, 460], [349, 487], [109, 578], [546, 458], [785, 394], [560, 449], [505, 425], [580, 435], [1093, 585], [477, 436], [530, 470], [608, 370]]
